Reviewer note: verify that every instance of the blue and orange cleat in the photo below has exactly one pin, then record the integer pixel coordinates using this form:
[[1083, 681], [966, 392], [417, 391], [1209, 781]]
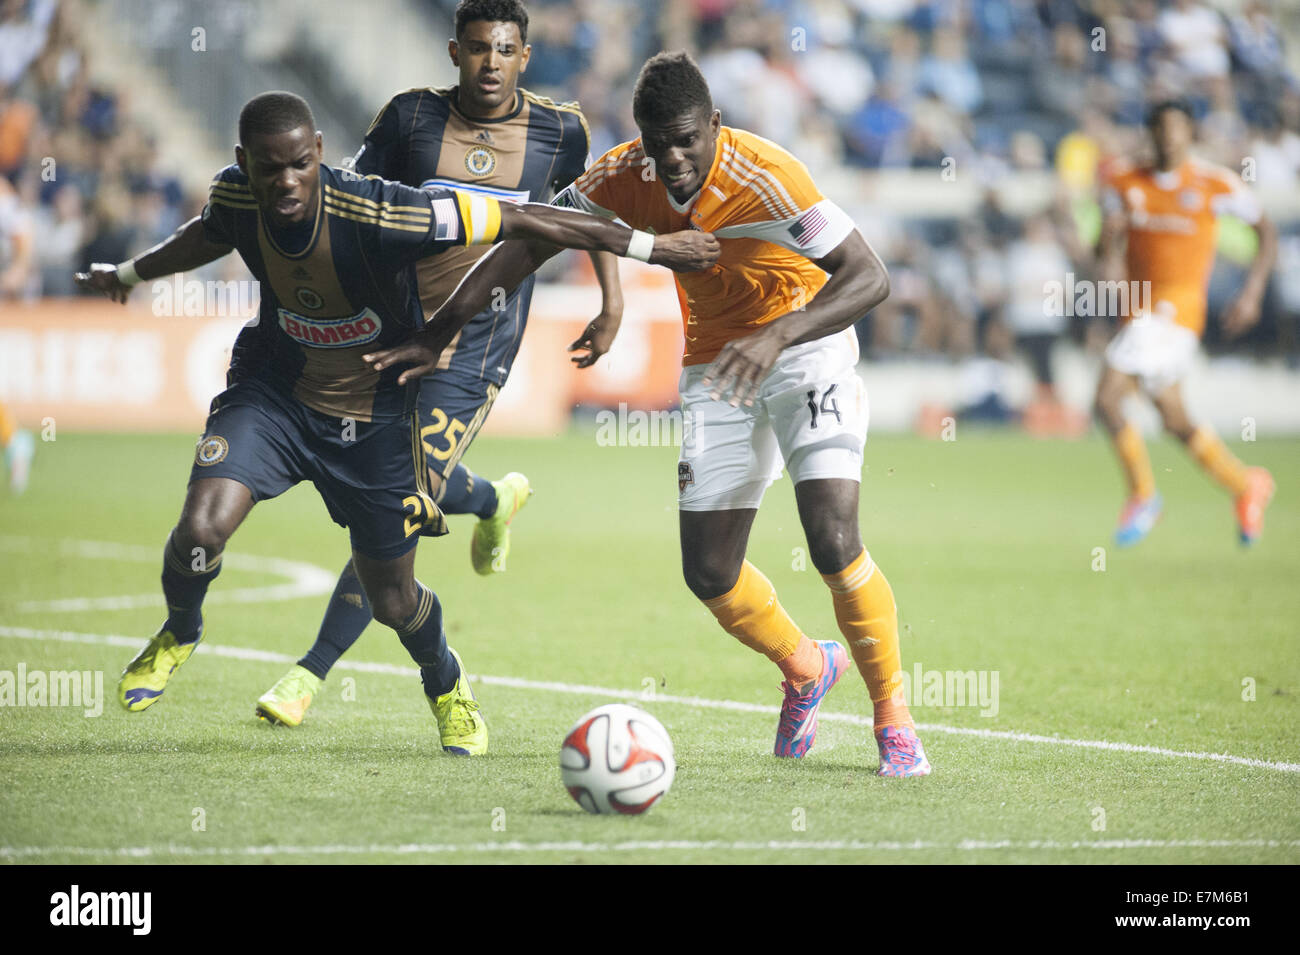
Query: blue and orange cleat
[[1138, 517], [1252, 502], [797, 730], [901, 753]]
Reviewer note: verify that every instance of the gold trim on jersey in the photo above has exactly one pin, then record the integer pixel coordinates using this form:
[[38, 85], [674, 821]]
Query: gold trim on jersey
[[315, 231], [231, 194], [572, 106], [382, 214]]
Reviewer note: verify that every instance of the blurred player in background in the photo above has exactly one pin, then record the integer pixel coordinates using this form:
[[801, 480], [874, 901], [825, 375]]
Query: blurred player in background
[[768, 327], [335, 255], [488, 137], [18, 447], [1159, 230], [16, 257]]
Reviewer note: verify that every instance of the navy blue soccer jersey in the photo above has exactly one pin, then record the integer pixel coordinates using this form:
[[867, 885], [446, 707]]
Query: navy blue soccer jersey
[[341, 284], [421, 139]]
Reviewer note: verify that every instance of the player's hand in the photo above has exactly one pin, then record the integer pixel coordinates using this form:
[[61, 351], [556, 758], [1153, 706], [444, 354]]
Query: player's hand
[[421, 351], [597, 337], [1239, 317], [741, 367], [103, 278], [686, 251]]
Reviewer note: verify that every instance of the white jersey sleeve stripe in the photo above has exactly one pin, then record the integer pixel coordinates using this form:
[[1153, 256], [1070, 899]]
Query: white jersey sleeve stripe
[[812, 234]]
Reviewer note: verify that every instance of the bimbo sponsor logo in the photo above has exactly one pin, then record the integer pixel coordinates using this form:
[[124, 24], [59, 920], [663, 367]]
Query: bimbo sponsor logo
[[359, 329], [23, 687], [75, 907]]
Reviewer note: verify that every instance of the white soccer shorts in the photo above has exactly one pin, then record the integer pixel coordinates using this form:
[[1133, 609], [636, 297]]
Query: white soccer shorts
[[1155, 349], [810, 415]]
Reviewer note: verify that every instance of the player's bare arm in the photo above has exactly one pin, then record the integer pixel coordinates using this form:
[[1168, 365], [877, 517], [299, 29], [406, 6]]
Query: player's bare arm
[[858, 283], [599, 334], [1243, 313], [546, 230], [186, 248], [1110, 248]]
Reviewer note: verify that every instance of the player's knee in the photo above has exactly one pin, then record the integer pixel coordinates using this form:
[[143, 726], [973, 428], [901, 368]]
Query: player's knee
[[710, 576], [394, 606], [833, 545], [1177, 424], [202, 530]]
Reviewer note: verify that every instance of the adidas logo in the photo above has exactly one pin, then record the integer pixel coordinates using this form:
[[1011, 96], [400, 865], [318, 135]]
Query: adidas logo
[[301, 273], [483, 136]]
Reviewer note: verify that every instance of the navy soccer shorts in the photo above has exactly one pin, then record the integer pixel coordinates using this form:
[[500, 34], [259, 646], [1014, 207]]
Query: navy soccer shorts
[[452, 409], [371, 476]]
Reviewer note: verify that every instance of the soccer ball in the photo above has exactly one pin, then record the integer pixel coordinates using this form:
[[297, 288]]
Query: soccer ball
[[617, 758]]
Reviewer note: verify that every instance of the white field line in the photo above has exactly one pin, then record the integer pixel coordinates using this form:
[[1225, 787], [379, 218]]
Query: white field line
[[683, 845], [305, 580], [577, 689]]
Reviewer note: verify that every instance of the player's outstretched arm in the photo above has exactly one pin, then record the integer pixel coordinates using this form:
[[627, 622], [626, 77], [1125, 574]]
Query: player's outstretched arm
[[1242, 314], [685, 251], [187, 248], [858, 283], [546, 230]]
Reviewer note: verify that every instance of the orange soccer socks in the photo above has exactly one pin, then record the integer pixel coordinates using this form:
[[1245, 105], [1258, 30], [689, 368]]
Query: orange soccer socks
[[1132, 451], [868, 618], [1221, 464], [750, 612]]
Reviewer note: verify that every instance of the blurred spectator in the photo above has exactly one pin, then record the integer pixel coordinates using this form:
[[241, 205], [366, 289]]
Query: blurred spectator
[[949, 74], [1196, 37], [17, 123], [17, 261], [62, 228], [24, 29], [1033, 261]]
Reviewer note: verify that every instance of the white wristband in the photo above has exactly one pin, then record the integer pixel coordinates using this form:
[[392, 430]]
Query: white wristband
[[640, 246], [126, 273]]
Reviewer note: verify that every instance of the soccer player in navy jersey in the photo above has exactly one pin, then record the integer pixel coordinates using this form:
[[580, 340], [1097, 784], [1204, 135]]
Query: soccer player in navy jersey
[[334, 253], [489, 136]]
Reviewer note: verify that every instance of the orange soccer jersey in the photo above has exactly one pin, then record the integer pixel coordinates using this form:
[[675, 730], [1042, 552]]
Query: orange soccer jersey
[[761, 203], [1171, 230]]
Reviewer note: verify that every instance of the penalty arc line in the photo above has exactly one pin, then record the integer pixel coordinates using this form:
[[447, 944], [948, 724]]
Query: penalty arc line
[[683, 845], [305, 580], [576, 689]]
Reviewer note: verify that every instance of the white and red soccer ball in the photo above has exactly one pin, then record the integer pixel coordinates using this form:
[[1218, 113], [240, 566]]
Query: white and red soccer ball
[[617, 758]]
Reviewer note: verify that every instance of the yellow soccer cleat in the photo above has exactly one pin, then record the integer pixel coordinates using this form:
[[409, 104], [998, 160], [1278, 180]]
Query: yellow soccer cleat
[[461, 726], [286, 703], [490, 544], [145, 677]]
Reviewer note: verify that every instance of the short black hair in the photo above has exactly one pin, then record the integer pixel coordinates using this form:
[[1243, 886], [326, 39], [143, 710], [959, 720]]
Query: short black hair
[[493, 11], [276, 111], [669, 86], [1177, 102]]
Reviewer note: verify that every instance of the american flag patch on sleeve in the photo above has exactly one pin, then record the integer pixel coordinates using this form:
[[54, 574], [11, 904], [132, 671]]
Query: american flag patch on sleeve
[[446, 220], [807, 226]]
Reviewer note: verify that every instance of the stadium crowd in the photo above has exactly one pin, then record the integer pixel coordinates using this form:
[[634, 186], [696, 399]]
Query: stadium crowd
[[999, 87]]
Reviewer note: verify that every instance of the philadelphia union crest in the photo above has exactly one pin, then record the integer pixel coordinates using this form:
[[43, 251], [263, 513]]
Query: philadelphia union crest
[[308, 297], [480, 161], [211, 450]]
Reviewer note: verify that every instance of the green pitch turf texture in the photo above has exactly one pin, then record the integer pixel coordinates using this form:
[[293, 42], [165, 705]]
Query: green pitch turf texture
[[989, 542]]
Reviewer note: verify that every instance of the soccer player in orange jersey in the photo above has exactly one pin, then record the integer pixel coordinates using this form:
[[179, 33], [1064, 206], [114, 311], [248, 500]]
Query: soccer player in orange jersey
[[769, 379], [1160, 230]]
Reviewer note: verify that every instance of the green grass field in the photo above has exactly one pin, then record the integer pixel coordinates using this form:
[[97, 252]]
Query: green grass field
[[989, 544]]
